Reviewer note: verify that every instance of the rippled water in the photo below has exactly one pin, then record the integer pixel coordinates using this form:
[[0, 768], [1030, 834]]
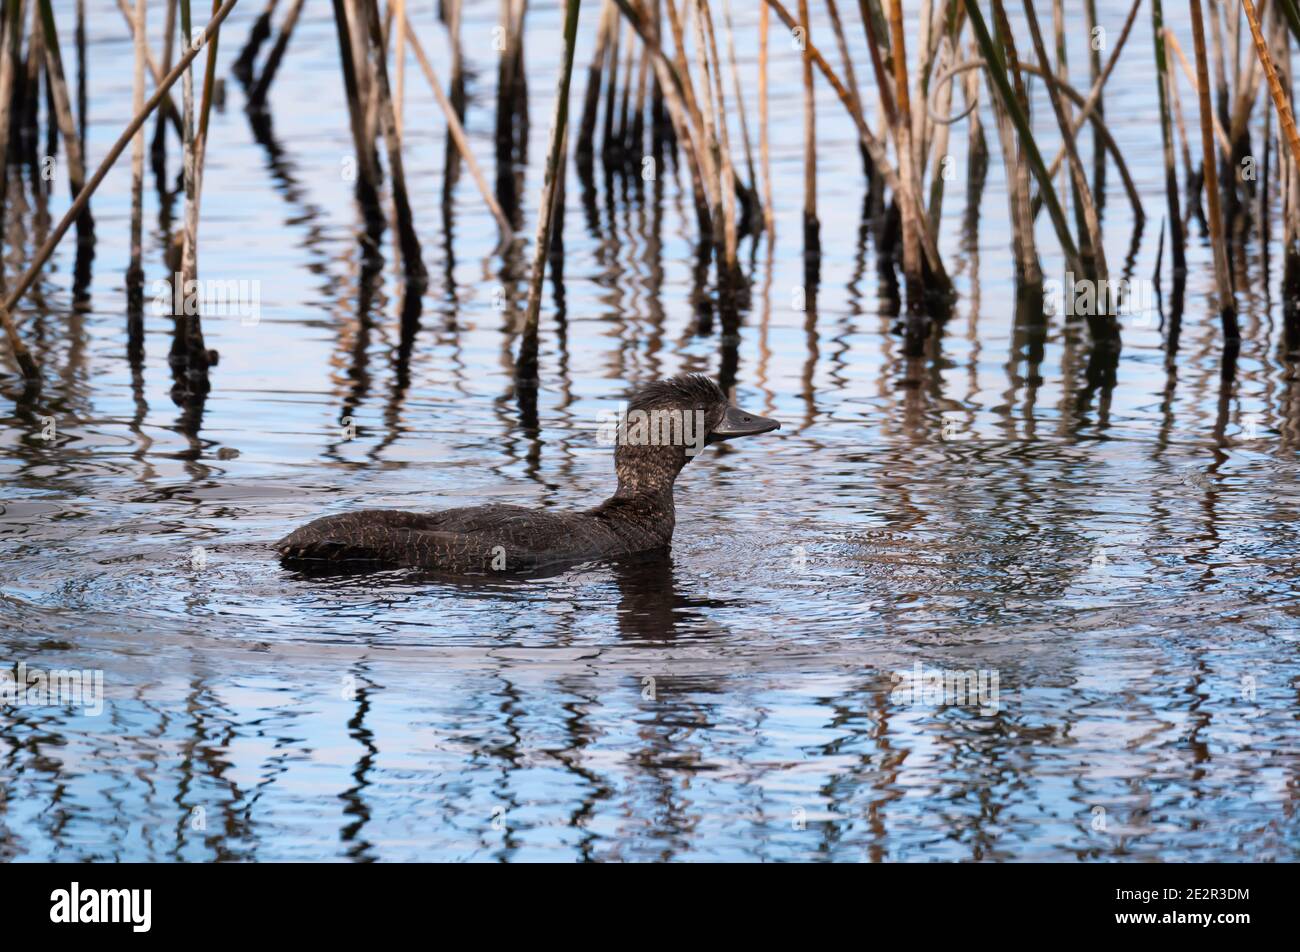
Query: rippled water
[[1116, 560]]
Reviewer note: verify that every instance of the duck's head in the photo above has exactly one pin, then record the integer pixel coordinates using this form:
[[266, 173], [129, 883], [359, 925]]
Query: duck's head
[[668, 422]]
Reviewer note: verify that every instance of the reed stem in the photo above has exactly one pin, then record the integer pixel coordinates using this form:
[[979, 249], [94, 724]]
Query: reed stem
[[79, 204], [998, 73], [1178, 241], [209, 92], [850, 77], [1284, 114], [1222, 274], [764, 144], [410, 243], [12, 44], [912, 222], [812, 245], [457, 133], [63, 106], [674, 82], [595, 73], [188, 347], [159, 147], [367, 176], [169, 111], [1083, 192], [398, 10], [708, 49], [941, 284], [134, 271], [526, 367]]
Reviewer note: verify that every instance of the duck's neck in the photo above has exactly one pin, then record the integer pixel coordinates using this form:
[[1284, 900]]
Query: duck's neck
[[643, 503]]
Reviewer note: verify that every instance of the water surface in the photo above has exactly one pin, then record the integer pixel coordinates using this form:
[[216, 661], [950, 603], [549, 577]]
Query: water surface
[[1120, 554]]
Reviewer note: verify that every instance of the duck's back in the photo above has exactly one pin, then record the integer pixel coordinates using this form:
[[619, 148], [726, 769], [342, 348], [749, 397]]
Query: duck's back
[[473, 539]]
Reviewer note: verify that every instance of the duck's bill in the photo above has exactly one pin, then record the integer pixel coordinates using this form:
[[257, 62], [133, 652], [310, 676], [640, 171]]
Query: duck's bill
[[738, 423]]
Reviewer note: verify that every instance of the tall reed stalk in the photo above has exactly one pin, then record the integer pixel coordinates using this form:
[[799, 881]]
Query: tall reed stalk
[[412, 262], [850, 76], [997, 72], [912, 223], [595, 73], [1178, 242], [367, 177], [451, 167], [939, 289], [707, 47], [751, 190], [675, 84], [1222, 274], [9, 51], [30, 370], [457, 134], [188, 347], [33, 68], [526, 365], [611, 94], [171, 113], [134, 271], [1286, 118], [1082, 190], [1098, 81], [812, 244], [764, 145], [398, 10], [63, 108], [512, 104], [9, 55], [209, 93], [1289, 175], [168, 112], [705, 158]]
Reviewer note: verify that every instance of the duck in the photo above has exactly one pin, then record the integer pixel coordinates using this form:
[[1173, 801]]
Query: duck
[[664, 425]]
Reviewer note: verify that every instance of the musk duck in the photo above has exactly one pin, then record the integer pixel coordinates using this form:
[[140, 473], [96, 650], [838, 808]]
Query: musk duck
[[665, 424]]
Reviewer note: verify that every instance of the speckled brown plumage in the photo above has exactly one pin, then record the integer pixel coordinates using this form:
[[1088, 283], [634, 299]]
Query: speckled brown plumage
[[639, 517]]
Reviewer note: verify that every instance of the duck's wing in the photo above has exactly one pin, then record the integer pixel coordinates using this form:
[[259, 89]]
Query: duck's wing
[[486, 519], [475, 538]]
